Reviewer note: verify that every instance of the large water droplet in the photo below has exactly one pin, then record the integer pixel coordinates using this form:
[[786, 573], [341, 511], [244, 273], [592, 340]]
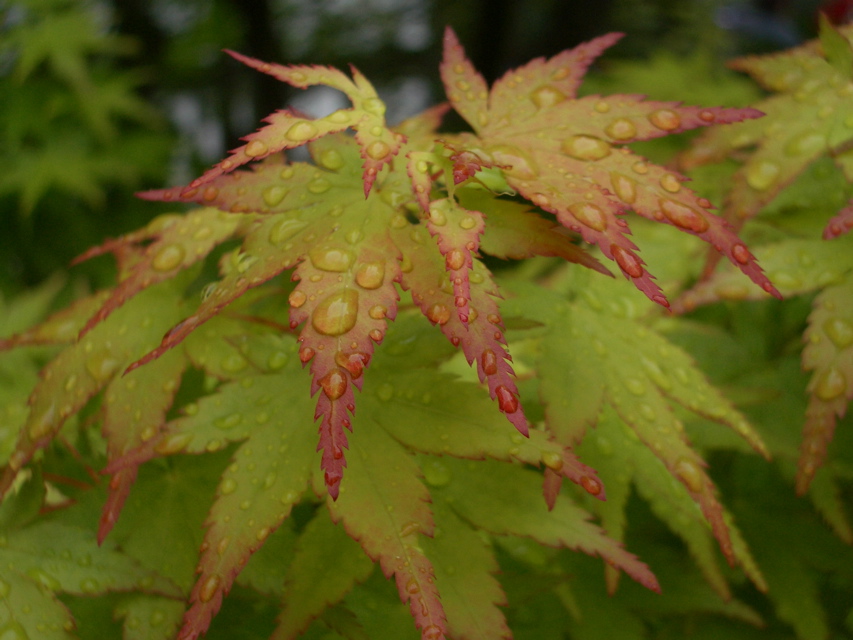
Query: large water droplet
[[15, 631], [830, 384], [337, 313], [552, 460], [635, 386], [507, 401], [516, 163], [436, 472], [840, 331], [582, 147], [670, 183], [334, 383], [621, 129], [332, 259], [256, 148], [274, 195], [805, 144], [547, 96], [665, 119], [370, 275], [332, 159], [455, 259], [591, 215], [378, 150], [690, 474], [489, 362], [102, 364], [209, 588], [297, 299], [762, 174], [301, 131], [283, 230], [624, 187], [228, 486], [374, 106], [683, 216], [741, 253], [45, 579], [169, 257], [626, 259], [319, 185], [438, 314]]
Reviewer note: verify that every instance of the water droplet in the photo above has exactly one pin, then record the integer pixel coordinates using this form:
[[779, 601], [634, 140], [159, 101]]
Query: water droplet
[[626, 259], [830, 384], [297, 299], [591, 485], [741, 253], [15, 631], [552, 460], [636, 387], [334, 383], [507, 401], [437, 217], [455, 259], [274, 195], [670, 183], [489, 362], [582, 147], [690, 474], [683, 216], [436, 472], [805, 144], [209, 588], [624, 187], [319, 185], [621, 129], [227, 487], [337, 313], [301, 131], [169, 257], [438, 314], [377, 312], [648, 412], [283, 230], [590, 215], [840, 331], [762, 174], [173, 443], [374, 106], [665, 119], [45, 579], [229, 422], [378, 150], [602, 107], [370, 275], [331, 159], [332, 259], [256, 148], [101, 365], [518, 163], [88, 585], [157, 618], [547, 96]]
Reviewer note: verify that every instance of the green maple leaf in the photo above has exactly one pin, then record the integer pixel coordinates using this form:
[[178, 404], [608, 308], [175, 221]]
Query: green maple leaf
[[558, 151], [806, 119], [577, 364]]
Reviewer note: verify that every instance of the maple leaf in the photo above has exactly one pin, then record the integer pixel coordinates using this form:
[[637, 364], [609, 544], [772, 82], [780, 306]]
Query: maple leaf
[[578, 366], [558, 152], [804, 121]]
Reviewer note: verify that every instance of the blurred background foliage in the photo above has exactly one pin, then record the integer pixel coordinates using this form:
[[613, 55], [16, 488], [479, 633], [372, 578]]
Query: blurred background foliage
[[102, 98]]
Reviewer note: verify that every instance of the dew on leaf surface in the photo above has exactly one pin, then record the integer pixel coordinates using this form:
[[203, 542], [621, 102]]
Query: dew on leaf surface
[[552, 460], [629, 263], [378, 150], [331, 159], [336, 314], [641, 167], [256, 148], [683, 216], [209, 588], [583, 147], [377, 312], [670, 183], [169, 257], [385, 392], [590, 215], [319, 185], [283, 230], [13, 631], [547, 96], [87, 585], [334, 384], [805, 144], [591, 485], [228, 486], [489, 361], [665, 119], [762, 174], [436, 472], [621, 129], [301, 131], [297, 299], [370, 275], [831, 384], [173, 443], [274, 195], [438, 314], [690, 474], [624, 187], [332, 259], [507, 401], [840, 331], [44, 579]]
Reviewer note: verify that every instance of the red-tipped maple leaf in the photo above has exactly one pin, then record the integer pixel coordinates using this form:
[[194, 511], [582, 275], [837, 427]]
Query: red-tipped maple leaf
[[563, 153]]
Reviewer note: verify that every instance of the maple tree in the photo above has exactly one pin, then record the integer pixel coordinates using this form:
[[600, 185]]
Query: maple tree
[[434, 470]]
